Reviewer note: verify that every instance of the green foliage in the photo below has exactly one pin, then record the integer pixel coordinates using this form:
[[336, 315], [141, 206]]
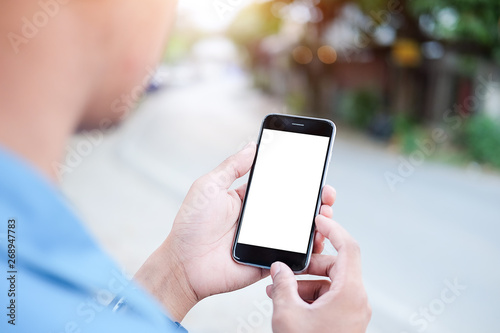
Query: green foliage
[[296, 101], [407, 132], [403, 123], [372, 5], [254, 23], [482, 139], [178, 48], [467, 65], [496, 53], [360, 106], [475, 20], [409, 139]]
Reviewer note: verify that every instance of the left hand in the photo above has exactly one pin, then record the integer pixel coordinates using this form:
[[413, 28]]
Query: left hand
[[196, 256]]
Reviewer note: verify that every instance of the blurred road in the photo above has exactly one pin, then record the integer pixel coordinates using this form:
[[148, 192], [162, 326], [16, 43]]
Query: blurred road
[[430, 248]]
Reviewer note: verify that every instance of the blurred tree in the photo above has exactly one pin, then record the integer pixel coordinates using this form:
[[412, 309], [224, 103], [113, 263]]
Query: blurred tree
[[251, 25], [464, 27], [471, 26], [428, 54]]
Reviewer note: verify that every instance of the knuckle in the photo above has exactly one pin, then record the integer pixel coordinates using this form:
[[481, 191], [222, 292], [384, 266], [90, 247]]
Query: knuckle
[[353, 245], [362, 304], [200, 182], [229, 162], [369, 311], [227, 171], [363, 299], [281, 287]]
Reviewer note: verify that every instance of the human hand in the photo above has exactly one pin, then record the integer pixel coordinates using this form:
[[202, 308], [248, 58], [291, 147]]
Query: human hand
[[338, 305], [195, 260]]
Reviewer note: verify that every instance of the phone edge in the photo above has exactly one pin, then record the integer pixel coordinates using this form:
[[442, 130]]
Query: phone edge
[[323, 180]]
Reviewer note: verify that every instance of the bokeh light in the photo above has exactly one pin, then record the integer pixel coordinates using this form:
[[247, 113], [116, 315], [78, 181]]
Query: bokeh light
[[327, 54], [302, 54]]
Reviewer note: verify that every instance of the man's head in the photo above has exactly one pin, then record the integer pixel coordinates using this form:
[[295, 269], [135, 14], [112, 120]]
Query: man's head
[[104, 49]]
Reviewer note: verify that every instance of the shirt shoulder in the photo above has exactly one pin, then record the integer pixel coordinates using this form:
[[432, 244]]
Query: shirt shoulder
[[63, 281]]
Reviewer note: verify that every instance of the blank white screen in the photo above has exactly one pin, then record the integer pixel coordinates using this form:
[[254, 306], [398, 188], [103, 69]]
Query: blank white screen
[[282, 198]]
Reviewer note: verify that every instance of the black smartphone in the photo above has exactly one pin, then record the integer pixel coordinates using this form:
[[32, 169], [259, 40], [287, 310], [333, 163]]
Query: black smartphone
[[284, 192]]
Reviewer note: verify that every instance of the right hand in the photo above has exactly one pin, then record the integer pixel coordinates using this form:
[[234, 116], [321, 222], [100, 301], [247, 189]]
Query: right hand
[[338, 305]]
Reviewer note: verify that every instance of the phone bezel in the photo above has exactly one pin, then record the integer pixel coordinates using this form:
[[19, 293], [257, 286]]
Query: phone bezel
[[263, 257]]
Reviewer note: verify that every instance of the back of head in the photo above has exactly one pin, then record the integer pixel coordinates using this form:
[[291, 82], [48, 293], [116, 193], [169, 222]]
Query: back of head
[[81, 53]]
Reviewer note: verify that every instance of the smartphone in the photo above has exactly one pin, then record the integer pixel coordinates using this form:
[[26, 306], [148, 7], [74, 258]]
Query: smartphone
[[284, 192]]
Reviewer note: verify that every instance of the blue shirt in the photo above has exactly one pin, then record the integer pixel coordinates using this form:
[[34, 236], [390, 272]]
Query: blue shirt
[[58, 280]]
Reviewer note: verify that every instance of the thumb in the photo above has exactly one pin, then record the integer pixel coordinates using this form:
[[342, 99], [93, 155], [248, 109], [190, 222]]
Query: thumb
[[285, 287], [234, 167]]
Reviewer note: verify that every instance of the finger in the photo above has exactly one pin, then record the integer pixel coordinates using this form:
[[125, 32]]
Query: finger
[[349, 257], [319, 244], [337, 235], [320, 265], [285, 288], [326, 211], [241, 191], [328, 195], [311, 290], [234, 167]]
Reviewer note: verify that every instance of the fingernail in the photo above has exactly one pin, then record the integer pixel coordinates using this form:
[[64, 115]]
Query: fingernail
[[276, 269]]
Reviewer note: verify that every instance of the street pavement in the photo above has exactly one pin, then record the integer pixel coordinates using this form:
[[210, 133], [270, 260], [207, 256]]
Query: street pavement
[[430, 246]]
